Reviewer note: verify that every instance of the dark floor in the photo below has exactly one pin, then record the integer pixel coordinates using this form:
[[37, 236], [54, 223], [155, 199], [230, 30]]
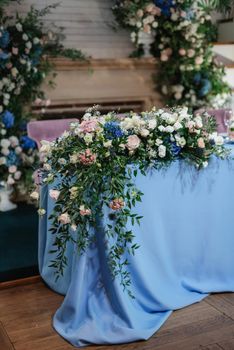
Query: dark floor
[[26, 311], [18, 242]]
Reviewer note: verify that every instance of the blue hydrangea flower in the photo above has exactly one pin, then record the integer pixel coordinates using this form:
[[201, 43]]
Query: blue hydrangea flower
[[4, 39], [4, 55], [27, 143], [175, 150], [8, 119], [165, 6], [206, 87], [113, 130], [197, 78], [12, 159]]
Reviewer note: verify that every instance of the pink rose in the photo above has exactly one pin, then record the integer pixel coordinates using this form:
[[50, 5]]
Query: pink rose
[[84, 211], [164, 57], [87, 126], [117, 204], [201, 143], [182, 52], [133, 142], [64, 218], [198, 60], [191, 53], [54, 194], [87, 157]]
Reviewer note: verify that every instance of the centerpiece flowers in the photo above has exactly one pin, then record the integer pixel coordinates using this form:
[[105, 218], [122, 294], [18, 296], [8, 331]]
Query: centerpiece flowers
[[96, 163]]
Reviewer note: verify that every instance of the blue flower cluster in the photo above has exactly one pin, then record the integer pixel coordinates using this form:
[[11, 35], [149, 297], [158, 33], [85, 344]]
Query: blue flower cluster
[[27, 143], [165, 6], [12, 159], [204, 84], [113, 130], [4, 39], [8, 119], [175, 150]]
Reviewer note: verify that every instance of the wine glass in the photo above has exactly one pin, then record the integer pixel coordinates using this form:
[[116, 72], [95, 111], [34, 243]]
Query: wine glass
[[228, 116]]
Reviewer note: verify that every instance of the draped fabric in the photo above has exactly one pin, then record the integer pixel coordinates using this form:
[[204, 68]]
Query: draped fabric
[[186, 240]]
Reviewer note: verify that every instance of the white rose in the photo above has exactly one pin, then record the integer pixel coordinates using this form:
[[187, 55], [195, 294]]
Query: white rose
[[158, 142], [17, 175], [19, 27], [219, 140], [144, 132], [162, 151], [198, 121], [169, 129], [5, 151], [12, 169], [3, 132], [152, 124], [14, 141], [28, 45], [36, 40], [161, 128], [18, 150], [25, 37], [5, 143], [178, 126], [46, 147], [2, 160]]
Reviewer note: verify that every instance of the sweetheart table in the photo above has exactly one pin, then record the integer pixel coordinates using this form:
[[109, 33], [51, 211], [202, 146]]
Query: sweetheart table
[[186, 240]]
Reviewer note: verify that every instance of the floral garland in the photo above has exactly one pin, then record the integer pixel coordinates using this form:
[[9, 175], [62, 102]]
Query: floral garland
[[24, 65], [96, 162], [183, 34]]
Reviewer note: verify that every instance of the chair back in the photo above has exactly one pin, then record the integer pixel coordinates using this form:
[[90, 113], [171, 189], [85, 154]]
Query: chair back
[[48, 130]]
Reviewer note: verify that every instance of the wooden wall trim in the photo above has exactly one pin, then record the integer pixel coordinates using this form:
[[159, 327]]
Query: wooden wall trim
[[111, 64]]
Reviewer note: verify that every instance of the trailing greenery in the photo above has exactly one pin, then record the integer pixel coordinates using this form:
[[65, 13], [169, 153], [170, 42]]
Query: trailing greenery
[[96, 163]]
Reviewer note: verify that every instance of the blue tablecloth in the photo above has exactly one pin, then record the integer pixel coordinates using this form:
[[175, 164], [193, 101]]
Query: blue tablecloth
[[186, 251]]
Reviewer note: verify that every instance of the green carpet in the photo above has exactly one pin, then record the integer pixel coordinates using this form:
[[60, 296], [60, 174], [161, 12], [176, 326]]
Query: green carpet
[[18, 242]]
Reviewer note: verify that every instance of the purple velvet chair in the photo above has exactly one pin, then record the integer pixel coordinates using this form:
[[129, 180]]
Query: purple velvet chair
[[218, 114], [48, 130]]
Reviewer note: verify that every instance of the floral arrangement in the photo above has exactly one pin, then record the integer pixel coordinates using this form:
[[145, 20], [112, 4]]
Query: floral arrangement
[[96, 162], [189, 73], [17, 155], [25, 48]]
